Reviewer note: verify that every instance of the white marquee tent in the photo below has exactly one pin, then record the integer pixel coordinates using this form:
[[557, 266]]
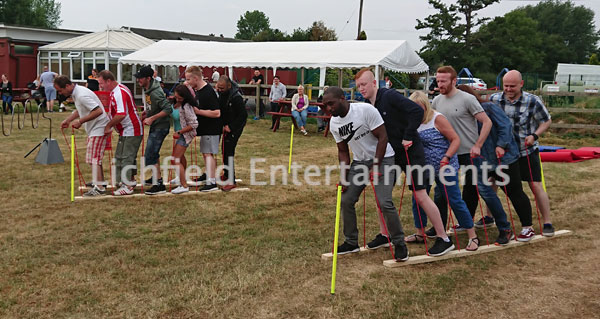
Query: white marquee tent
[[395, 55]]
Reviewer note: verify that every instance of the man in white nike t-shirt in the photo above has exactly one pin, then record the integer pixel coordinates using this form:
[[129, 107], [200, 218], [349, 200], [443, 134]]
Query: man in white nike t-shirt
[[358, 126]]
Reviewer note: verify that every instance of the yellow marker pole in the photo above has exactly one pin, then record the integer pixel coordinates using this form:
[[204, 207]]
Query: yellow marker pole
[[291, 144], [72, 168], [543, 179], [335, 239]]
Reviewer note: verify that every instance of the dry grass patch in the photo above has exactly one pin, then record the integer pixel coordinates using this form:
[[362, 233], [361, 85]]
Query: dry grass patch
[[257, 254]]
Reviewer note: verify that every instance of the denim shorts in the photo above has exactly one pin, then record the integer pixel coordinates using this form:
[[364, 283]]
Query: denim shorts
[[155, 141], [181, 141]]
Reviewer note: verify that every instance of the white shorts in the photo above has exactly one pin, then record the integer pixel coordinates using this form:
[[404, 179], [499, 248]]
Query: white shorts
[[209, 144]]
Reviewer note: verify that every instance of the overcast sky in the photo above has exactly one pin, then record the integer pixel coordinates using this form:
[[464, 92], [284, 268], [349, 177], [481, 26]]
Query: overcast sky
[[382, 19]]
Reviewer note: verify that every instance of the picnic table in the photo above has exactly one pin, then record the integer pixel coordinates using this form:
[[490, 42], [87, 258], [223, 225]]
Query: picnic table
[[285, 110]]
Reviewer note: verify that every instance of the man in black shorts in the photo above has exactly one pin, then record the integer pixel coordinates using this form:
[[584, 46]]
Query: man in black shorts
[[402, 117]]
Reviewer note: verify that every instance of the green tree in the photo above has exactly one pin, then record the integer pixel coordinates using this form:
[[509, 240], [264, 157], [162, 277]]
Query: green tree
[[449, 40], [512, 41], [319, 32], [594, 59], [35, 13], [571, 34], [251, 24]]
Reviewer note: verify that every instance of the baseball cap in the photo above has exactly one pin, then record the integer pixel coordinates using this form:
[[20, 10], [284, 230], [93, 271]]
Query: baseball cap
[[144, 72]]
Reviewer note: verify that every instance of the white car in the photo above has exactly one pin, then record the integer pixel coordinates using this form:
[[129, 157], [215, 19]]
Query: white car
[[475, 83]]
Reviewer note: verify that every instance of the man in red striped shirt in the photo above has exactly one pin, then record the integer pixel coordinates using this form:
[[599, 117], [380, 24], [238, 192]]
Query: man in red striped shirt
[[125, 120]]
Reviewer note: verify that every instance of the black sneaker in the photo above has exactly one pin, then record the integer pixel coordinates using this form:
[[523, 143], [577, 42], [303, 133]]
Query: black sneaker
[[378, 242], [201, 178], [156, 189], [401, 253], [346, 248], [209, 188], [548, 230], [149, 182], [489, 221], [430, 233], [441, 247], [504, 237]]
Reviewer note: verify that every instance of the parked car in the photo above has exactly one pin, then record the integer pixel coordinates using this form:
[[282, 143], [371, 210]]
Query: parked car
[[475, 83]]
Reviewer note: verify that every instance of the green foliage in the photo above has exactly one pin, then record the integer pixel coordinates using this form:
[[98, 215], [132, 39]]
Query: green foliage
[[570, 30], [251, 24], [255, 26], [34, 13], [450, 38], [594, 59]]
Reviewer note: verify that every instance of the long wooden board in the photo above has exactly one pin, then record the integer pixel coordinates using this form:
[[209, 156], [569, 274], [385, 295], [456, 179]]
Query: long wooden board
[[238, 189], [190, 183], [329, 256], [463, 253]]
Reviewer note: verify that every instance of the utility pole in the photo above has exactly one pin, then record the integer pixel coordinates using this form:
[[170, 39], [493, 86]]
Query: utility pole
[[359, 20]]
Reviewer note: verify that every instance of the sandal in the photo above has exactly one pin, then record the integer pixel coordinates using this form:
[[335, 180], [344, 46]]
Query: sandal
[[471, 241], [414, 239]]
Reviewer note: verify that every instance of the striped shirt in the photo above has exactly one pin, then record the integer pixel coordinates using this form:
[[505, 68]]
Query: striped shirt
[[121, 103], [526, 114]]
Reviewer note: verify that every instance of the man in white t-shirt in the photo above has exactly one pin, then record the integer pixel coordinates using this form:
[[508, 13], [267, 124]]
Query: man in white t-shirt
[[215, 75], [90, 113], [360, 127], [126, 121]]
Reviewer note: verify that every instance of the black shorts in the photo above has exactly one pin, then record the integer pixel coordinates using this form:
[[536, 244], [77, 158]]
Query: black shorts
[[536, 167], [416, 156]]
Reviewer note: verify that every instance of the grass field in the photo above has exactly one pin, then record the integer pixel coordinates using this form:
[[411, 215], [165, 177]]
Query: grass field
[[257, 254]]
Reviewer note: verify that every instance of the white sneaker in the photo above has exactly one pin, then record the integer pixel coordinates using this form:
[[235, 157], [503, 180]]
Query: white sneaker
[[123, 190], [180, 190], [175, 181]]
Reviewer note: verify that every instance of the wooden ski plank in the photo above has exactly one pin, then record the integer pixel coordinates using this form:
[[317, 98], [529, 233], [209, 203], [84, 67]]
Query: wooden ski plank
[[463, 252], [190, 183], [238, 189], [329, 256]]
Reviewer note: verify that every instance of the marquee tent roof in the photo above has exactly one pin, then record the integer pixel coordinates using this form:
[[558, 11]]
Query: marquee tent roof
[[394, 55], [107, 40]]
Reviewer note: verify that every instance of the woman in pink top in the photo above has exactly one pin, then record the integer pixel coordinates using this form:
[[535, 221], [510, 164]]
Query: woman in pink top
[[300, 108], [185, 101]]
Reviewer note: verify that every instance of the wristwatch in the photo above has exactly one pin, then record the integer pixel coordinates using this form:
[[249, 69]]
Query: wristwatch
[[535, 136]]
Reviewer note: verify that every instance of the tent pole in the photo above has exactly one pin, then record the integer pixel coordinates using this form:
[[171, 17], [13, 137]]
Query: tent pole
[[340, 79], [322, 73], [301, 76], [377, 75], [119, 72]]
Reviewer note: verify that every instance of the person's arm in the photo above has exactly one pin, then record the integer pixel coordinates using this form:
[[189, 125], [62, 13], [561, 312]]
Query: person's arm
[[382, 141], [444, 126], [10, 88], [65, 123], [542, 116], [501, 123], [529, 140], [295, 99], [344, 158], [412, 111], [486, 126], [208, 113], [97, 111], [273, 88], [114, 121]]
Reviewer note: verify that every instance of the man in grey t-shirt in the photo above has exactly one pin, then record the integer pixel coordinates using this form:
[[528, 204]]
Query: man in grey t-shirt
[[463, 111], [47, 81]]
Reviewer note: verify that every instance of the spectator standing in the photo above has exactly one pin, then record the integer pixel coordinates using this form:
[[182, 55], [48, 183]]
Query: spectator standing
[[388, 83], [215, 75], [47, 79], [321, 122], [258, 79], [7, 94], [92, 81], [278, 92]]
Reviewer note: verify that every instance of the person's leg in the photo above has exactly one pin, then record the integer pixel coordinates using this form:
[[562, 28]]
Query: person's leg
[[297, 118], [469, 192], [452, 190], [320, 122], [4, 106], [494, 204], [420, 219], [152, 155], [120, 159], [349, 199], [94, 154], [534, 170], [178, 153], [514, 190], [230, 143], [274, 108], [130, 150], [304, 114]]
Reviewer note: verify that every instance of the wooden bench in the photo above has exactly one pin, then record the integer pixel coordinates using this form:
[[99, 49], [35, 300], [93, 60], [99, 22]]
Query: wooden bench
[[285, 111]]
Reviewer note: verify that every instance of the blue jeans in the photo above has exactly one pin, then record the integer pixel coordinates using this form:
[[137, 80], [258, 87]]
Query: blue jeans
[[486, 192], [7, 100], [155, 140], [456, 202], [300, 117]]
